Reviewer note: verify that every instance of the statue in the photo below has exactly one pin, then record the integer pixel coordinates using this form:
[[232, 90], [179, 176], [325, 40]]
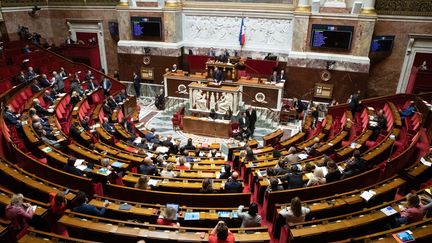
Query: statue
[[225, 103], [201, 100]]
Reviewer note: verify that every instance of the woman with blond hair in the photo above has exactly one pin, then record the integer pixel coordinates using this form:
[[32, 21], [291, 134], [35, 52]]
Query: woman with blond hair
[[294, 213], [168, 171], [142, 182], [19, 213]]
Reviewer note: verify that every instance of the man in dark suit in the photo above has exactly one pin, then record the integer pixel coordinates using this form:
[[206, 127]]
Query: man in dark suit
[[39, 109], [169, 144], [107, 109], [88, 76], [244, 126], [44, 82], [111, 102], [63, 73], [91, 85], [22, 78], [31, 73], [160, 100], [10, 118], [106, 85], [274, 77], [137, 84], [85, 123], [252, 117], [298, 105], [70, 167], [85, 208], [35, 87], [108, 127], [58, 80], [48, 98], [354, 103], [147, 168], [233, 185], [75, 132], [218, 75]]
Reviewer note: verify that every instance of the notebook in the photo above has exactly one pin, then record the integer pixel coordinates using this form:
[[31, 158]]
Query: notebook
[[388, 211], [404, 236]]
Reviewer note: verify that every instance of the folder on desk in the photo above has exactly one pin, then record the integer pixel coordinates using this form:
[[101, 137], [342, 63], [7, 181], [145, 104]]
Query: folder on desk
[[191, 216], [47, 149], [404, 236]]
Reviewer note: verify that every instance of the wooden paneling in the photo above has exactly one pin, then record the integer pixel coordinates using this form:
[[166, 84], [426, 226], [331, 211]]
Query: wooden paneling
[[301, 82], [129, 63]]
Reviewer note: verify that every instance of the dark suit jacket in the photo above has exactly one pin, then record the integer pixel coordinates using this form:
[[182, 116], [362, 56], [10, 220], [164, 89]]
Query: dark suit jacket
[[218, 75], [88, 77], [233, 187], [107, 110], [10, 118], [72, 170], [48, 99], [41, 110], [35, 88], [244, 123], [252, 116], [106, 84], [91, 85], [295, 180], [85, 125], [22, 79], [89, 209], [136, 81], [44, 82], [273, 78], [108, 127]]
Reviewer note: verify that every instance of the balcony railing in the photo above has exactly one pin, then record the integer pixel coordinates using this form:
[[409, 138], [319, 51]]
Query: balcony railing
[[23, 3]]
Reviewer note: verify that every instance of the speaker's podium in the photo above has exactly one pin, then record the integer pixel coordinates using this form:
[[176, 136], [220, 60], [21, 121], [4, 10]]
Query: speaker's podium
[[228, 69], [204, 97]]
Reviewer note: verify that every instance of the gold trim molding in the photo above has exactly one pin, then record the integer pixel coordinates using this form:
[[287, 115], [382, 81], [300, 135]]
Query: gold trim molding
[[368, 11], [303, 9]]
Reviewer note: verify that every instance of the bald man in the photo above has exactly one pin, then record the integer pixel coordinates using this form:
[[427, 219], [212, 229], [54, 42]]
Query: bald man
[[233, 185]]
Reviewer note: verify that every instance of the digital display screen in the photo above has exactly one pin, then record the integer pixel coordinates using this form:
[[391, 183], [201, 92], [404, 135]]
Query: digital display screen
[[331, 36], [146, 27], [382, 43]]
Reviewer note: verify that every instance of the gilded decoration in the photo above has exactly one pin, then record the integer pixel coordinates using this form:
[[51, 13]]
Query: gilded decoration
[[404, 7]]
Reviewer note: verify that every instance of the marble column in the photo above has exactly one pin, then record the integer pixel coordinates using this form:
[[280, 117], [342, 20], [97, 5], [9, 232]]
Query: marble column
[[303, 6], [368, 7], [123, 3], [300, 33], [173, 3]]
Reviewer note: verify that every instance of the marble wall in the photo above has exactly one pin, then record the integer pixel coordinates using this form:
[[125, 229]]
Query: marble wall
[[51, 24], [384, 75], [262, 34]]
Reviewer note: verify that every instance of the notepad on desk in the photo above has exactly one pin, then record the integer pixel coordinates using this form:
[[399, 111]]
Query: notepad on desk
[[152, 182], [425, 162], [47, 149], [367, 195], [191, 216], [104, 171], [81, 167], [388, 211], [78, 162], [404, 236]]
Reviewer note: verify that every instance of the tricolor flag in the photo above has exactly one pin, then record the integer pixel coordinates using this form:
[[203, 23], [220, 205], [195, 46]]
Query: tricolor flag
[[242, 36]]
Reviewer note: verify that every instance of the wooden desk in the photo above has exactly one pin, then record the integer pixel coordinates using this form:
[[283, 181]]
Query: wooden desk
[[273, 137], [176, 85], [206, 127]]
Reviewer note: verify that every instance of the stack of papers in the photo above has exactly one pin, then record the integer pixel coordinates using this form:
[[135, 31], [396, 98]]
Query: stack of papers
[[367, 195], [152, 182], [78, 162], [302, 156], [425, 162], [81, 167]]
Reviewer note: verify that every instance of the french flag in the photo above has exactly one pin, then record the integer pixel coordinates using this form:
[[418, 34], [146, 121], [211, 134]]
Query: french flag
[[242, 36]]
